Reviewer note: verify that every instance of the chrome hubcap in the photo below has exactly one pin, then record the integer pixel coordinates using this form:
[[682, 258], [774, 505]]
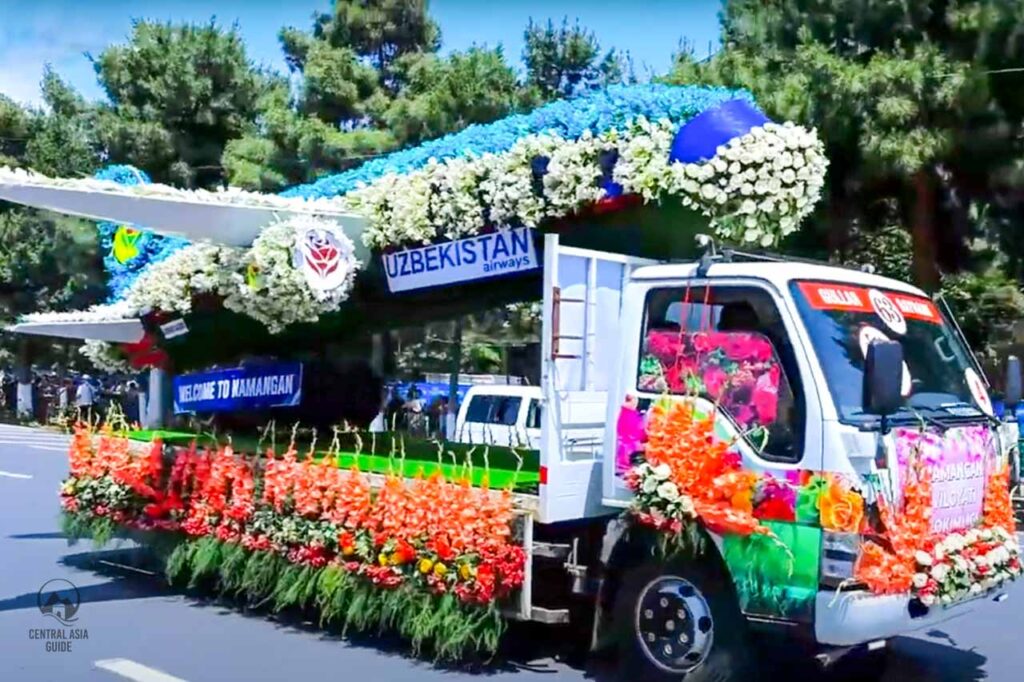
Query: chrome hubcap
[[673, 624]]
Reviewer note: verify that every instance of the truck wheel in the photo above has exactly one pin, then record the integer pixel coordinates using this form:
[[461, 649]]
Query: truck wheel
[[676, 621]]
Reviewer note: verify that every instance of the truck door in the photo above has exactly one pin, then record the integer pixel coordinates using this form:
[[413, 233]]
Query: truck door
[[732, 344], [581, 312]]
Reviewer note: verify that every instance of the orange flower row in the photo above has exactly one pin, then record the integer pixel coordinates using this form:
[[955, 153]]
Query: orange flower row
[[998, 508], [703, 468]]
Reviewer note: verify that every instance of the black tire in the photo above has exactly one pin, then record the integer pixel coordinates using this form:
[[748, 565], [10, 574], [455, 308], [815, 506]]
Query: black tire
[[722, 650]]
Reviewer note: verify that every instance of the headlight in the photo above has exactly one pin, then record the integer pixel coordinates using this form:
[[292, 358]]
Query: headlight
[[839, 552]]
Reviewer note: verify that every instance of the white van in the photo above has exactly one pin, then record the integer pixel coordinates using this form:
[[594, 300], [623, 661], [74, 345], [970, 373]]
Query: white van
[[500, 415]]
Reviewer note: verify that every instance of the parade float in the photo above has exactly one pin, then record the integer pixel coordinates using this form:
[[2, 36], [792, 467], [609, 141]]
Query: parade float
[[819, 438]]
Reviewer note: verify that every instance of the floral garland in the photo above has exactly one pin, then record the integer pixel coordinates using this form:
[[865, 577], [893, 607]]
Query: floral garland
[[274, 291], [756, 189], [105, 357], [430, 557], [278, 295], [689, 475], [170, 285]]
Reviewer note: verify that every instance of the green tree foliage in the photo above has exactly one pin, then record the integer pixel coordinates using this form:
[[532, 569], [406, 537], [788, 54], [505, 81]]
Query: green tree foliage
[[442, 95], [382, 31], [14, 132], [920, 109], [63, 143], [350, 68], [178, 93], [561, 61], [47, 262], [904, 96]]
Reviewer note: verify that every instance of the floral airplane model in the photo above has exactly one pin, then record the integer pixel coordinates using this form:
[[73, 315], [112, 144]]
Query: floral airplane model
[[710, 149], [778, 528]]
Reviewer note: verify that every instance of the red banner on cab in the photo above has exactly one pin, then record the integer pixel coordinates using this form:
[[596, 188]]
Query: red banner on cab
[[832, 296], [916, 308]]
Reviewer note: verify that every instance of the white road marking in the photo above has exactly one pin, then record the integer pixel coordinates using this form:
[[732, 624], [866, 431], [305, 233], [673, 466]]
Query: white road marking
[[11, 474], [135, 671]]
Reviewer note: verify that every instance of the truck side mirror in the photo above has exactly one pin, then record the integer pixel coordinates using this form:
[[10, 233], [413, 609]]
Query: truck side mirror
[[883, 378], [1013, 383]]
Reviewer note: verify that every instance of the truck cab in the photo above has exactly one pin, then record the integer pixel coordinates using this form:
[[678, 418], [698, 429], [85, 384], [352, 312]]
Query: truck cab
[[774, 352]]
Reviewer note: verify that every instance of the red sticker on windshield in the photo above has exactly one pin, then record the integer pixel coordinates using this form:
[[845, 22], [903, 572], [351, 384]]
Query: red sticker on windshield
[[916, 308], [832, 296], [829, 296]]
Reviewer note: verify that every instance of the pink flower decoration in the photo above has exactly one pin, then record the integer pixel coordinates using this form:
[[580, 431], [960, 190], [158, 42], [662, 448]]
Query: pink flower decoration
[[715, 380]]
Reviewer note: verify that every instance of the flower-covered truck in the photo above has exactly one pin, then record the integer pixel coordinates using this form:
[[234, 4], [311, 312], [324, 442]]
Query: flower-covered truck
[[728, 447]]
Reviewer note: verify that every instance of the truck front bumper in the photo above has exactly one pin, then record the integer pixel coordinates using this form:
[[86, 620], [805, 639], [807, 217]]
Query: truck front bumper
[[851, 618]]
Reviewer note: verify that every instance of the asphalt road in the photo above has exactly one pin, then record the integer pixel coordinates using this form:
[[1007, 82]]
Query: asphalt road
[[139, 630]]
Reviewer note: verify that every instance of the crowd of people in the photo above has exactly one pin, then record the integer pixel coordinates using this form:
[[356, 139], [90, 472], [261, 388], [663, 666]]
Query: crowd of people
[[57, 395], [411, 411]]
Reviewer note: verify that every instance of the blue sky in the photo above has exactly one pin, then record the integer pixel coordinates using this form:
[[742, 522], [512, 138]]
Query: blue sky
[[59, 32]]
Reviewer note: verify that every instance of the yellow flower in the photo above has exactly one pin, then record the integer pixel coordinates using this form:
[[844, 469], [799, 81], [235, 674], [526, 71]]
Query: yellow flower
[[348, 550], [440, 569], [466, 571], [425, 566], [382, 559]]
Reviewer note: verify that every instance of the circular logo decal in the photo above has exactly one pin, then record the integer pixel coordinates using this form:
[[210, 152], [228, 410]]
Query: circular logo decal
[[978, 391], [59, 599], [866, 337], [888, 312]]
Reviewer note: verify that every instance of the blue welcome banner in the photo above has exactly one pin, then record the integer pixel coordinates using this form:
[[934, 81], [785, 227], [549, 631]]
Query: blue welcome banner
[[488, 255], [242, 388]]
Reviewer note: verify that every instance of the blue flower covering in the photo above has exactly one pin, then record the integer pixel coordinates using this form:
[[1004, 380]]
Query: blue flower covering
[[597, 112], [147, 248]]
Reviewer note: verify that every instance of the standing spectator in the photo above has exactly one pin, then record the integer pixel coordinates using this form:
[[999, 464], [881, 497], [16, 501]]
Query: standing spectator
[[64, 396], [438, 411], [415, 419], [379, 423], [85, 396], [130, 403]]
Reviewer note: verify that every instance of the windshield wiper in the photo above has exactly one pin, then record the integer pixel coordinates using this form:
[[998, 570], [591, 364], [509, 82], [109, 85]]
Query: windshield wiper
[[960, 404], [904, 415]]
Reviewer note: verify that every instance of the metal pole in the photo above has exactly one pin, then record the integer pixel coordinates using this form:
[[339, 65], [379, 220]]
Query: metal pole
[[455, 364]]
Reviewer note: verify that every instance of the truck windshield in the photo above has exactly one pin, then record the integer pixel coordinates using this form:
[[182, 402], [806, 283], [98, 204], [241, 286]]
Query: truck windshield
[[842, 321]]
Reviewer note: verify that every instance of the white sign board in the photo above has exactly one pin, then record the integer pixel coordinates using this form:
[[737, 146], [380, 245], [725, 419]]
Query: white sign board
[[463, 260], [174, 328]]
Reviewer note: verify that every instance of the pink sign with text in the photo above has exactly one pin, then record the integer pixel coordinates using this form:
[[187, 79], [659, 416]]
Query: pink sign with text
[[957, 460]]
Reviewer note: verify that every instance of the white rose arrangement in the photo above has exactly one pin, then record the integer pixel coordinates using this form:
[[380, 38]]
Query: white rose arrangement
[[271, 289], [658, 499], [756, 190], [758, 187], [278, 295], [964, 565]]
